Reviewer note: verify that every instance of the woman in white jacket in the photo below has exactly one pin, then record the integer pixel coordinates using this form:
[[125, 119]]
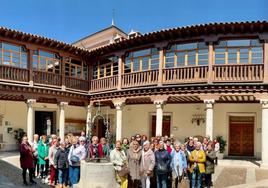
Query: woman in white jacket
[[119, 159]]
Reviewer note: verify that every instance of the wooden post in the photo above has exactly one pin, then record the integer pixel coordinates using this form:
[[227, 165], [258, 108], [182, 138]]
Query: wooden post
[[30, 66], [210, 63], [265, 61], [161, 64], [120, 70], [63, 84]]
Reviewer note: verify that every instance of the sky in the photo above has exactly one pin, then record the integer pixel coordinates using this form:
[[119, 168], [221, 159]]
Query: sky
[[71, 20]]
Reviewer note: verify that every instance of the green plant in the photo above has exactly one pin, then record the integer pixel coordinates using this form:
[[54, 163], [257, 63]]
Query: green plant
[[18, 134], [222, 143]]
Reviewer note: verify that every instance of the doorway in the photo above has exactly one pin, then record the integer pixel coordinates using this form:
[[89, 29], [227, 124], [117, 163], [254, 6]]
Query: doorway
[[45, 123], [165, 125], [241, 136], [99, 128]]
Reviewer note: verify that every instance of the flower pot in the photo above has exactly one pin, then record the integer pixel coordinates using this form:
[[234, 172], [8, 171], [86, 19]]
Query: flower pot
[[220, 155]]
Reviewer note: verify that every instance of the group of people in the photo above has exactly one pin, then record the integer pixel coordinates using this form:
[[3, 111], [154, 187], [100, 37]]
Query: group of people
[[139, 162]]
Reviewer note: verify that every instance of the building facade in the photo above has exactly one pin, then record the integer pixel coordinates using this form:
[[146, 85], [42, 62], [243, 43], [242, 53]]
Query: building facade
[[197, 80]]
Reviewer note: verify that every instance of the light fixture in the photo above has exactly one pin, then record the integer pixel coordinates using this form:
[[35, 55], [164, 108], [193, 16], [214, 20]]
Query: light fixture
[[198, 118]]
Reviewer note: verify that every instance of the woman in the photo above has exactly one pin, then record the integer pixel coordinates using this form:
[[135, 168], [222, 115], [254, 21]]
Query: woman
[[105, 147], [62, 165], [125, 145], [43, 148], [76, 155], [197, 159], [178, 164], [51, 154], [134, 158], [34, 146], [26, 160], [147, 165], [162, 159], [210, 157], [119, 160]]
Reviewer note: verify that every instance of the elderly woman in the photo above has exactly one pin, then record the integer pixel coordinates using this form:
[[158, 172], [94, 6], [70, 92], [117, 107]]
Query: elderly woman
[[198, 159], [76, 155], [119, 160], [162, 159], [210, 157], [178, 164], [147, 165], [134, 159]]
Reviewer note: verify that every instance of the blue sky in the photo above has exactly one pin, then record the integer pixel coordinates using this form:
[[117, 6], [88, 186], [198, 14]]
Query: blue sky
[[70, 20]]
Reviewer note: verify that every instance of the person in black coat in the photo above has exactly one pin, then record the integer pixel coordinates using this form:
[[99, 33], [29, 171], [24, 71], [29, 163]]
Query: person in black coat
[[62, 164]]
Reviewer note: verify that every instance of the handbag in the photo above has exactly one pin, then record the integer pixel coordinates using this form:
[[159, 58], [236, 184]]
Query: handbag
[[74, 158], [124, 171], [185, 182]]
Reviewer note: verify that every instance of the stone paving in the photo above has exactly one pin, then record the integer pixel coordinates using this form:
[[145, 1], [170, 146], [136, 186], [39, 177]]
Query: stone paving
[[229, 173]]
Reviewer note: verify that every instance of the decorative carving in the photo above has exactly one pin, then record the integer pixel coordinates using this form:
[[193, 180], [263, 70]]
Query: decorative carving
[[62, 105], [209, 103], [30, 102]]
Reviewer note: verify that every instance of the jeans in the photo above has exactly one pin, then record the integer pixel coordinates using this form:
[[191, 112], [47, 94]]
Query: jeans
[[31, 172], [63, 176], [145, 182], [208, 180], [44, 169], [161, 180], [74, 174], [196, 179]]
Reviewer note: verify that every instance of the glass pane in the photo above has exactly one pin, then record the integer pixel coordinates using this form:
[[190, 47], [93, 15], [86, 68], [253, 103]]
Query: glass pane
[[219, 61], [141, 53], [187, 46], [35, 62], [181, 59], [191, 58], [222, 50], [201, 45], [46, 54], [6, 58], [238, 42], [154, 64], [101, 71], [42, 65], [108, 70], [255, 43], [127, 66], [73, 71], [11, 47], [79, 72], [136, 65], [145, 63]]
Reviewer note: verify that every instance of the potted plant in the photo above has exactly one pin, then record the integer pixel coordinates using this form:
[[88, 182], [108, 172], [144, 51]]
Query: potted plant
[[222, 143]]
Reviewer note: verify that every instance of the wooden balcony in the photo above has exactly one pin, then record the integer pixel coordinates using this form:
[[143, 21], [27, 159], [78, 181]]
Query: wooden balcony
[[104, 84], [76, 83], [14, 73], [143, 78], [47, 78], [185, 75], [238, 73]]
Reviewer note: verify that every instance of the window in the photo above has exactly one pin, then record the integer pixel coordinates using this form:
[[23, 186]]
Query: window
[[141, 60], [46, 61], [190, 54], [238, 52], [13, 55], [105, 67], [77, 69]]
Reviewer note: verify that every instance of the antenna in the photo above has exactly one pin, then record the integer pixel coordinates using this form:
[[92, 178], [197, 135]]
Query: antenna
[[113, 14]]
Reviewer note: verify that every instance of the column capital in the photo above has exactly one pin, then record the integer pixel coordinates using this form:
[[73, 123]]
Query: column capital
[[159, 98], [62, 105], [264, 103], [89, 107], [30, 102], [159, 104], [209, 103], [119, 103]]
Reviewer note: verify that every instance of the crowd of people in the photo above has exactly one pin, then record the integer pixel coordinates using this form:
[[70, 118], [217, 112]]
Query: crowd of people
[[160, 162]]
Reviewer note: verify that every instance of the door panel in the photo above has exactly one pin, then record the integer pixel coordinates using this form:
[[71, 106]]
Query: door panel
[[241, 139], [165, 127]]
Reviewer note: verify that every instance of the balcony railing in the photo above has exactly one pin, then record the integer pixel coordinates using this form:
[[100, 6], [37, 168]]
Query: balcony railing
[[76, 83], [238, 73], [103, 84], [143, 78], [14, 73], [47, 78], [185, 74]]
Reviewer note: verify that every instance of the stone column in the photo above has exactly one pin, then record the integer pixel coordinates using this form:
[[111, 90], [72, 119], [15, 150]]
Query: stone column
[[119, 118], [159, 116], [209, 117], [30, 115], [62, 106], [264, 156], [89, 116]]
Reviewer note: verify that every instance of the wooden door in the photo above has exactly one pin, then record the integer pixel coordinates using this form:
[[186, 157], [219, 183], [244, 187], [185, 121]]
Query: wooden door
[[165, 125], [241, 139]]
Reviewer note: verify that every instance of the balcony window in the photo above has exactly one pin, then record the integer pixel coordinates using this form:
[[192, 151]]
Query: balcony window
[[238, 52], [189, 54], [105, 67], [13, 55], [77, 69], [142, 60], [46, 61]]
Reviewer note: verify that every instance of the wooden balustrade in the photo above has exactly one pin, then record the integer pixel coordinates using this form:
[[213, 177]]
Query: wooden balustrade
[[76, 83], [185, 75], [14, 73], [103, 84], [238, 73], [143, 78], [46, 78]]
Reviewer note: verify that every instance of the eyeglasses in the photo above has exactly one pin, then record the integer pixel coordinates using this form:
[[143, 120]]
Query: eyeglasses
[[82, 141]]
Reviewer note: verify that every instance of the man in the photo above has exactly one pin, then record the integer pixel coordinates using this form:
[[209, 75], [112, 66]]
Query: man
[[198, 159], [147, 165], [95, 149]]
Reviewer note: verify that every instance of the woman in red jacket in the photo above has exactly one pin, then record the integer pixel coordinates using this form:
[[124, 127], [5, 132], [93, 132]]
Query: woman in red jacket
[[26, 160]]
